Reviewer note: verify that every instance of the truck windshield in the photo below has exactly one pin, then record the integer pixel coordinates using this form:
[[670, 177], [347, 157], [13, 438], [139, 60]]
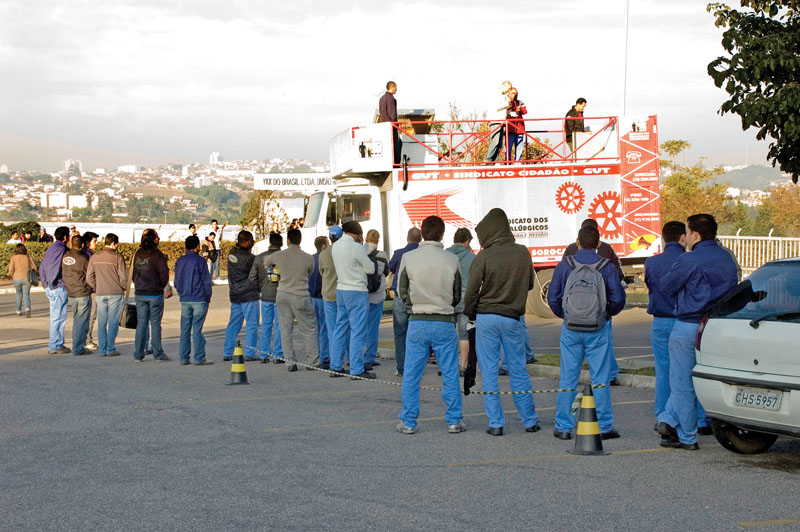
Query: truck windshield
[[313, 209], [354, 207], [771, 293]]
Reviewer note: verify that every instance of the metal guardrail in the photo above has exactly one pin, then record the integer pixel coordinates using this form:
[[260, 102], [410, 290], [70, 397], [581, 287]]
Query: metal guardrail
[[754, 251]]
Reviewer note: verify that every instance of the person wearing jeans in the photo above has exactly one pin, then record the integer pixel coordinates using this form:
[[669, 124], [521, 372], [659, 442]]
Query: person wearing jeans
[[329, 280], [244, 296], [55, 289], [376, 299], [399, 310], [73, 268], [430, 285], [352, 300], [19, 265], [107, 274], [315, 290], [266, 280], [150, 276]]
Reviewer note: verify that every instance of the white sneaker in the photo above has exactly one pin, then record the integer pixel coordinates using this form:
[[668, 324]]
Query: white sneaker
[[458, 427], [402, 429]]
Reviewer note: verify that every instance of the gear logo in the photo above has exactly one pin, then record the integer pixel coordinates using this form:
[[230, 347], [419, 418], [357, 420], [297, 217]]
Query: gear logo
[[606, 208], [570, 197]]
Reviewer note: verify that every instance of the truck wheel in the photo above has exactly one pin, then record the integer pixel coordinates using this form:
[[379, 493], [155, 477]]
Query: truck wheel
[[740, 440], [537, 298]]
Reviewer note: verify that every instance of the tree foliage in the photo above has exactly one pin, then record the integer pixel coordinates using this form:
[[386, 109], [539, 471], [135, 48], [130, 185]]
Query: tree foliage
[[762, 73], [781, 211], [261, 211]]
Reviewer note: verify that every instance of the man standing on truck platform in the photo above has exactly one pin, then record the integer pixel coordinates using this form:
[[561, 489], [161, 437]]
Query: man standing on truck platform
[[574, 124], [497, 127], [387, 111], [698, 279]]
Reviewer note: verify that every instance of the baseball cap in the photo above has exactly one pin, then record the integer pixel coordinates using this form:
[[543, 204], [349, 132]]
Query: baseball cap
[[335, 232]]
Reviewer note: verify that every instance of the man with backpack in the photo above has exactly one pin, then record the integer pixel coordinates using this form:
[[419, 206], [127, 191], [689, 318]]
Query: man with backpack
[[585, 292], [376, 287], [266, 279]]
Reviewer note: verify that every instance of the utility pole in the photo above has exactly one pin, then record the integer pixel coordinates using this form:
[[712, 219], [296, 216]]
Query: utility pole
[[625, 66]]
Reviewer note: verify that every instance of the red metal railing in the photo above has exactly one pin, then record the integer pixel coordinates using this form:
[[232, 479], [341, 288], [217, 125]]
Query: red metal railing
[[465, 142]]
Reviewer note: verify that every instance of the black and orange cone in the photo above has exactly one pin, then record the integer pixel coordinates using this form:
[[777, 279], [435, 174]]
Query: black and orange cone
[[588, 441], [238, 373]]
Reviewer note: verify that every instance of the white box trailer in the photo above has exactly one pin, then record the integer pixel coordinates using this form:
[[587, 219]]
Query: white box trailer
[[546, 200]]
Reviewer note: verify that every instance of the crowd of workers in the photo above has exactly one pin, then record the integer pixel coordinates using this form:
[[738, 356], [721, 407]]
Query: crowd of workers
[[447, 302]]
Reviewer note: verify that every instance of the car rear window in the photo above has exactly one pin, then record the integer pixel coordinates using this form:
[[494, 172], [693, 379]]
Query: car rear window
[[771, 293]]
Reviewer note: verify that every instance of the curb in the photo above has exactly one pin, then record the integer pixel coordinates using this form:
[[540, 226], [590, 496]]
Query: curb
[[553, 372], [34, 289]]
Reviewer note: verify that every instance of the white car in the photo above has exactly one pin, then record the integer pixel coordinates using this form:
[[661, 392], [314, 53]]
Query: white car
[[747, 375]]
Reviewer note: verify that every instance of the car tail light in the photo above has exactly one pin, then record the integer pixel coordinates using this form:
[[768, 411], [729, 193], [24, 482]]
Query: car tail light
[[700, 330]]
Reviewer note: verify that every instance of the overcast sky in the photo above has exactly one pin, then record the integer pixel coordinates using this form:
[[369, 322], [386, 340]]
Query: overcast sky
[[155, 81]]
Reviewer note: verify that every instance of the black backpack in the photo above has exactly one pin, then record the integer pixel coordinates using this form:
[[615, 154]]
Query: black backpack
[[374, 279]]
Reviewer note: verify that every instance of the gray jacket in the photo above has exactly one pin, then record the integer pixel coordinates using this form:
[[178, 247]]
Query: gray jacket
[[260, 279], [430, 284]]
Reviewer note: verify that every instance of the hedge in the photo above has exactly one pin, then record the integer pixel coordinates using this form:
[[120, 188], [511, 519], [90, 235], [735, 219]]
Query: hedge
[[173, 251]]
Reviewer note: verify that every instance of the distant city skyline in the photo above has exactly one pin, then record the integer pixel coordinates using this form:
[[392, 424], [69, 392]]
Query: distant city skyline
[[154, 82]]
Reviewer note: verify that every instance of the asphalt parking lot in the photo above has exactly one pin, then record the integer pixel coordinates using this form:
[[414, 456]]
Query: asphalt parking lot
[[88, 443]]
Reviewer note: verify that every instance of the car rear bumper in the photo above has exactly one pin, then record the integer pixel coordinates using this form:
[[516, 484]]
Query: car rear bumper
[[716, 387]]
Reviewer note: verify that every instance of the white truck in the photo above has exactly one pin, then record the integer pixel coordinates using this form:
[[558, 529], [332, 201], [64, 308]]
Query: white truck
[[612, 175]]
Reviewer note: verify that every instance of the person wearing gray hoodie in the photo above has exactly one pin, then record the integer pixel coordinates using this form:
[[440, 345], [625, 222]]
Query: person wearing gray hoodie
[[461, 249], [497, 290]]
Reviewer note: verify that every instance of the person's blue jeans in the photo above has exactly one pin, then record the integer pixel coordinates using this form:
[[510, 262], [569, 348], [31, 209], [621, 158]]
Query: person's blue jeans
[[373, 329], [214, 269], [269, 331], [514, 143], [681, 410], [239, 313], [193, 316], [351, 320], [659, 341], [441, 337], [400, 326], [529, 355], [58, 316], [331, 314], [322, 330], [109, 309], [81, 311], [593, 346], [23, 289], [613, 366], [149, 311], [493, 333]]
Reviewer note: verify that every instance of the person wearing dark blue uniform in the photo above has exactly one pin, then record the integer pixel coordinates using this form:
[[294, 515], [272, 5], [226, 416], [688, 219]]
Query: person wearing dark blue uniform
[[698, 279], [589, 344], [315, 290]]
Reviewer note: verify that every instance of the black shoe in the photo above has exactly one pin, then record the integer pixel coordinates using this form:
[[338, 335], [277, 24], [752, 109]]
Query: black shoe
[[375, 363], [185, 362], [610, 435], [667, 431], [533, 428], [227, 359], [655, 427], [249, 359], [562, 435], [613, 382], [292, 367], [666, 442], [502, 371], [494, 431], [705, 431], [265, 361], [439, 373], [279, 361], [690, 446], [531, 361], [461, 373], [203, 363], [321, 365], [335, 373], [368, 366], [364, 375]]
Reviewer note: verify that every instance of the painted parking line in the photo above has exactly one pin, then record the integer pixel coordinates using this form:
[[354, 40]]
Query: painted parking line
[[774, 522], [261, 398], [420, 420], [549, 457]]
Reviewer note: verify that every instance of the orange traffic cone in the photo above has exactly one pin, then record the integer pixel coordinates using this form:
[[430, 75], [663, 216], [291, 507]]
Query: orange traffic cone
[[588, 441], [238, 373]]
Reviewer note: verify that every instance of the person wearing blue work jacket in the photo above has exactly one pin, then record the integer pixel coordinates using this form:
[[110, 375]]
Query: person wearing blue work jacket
[[315, 290], [399, 310], [698, 279], [327, 271], [585, 334], [497, 289], [352, 300], [430, 286], [244, 296]]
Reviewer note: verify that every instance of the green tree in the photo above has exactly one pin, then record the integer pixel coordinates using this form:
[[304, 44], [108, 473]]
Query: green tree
[[261, 211], [781, 211], [105, 208], [762, 73]]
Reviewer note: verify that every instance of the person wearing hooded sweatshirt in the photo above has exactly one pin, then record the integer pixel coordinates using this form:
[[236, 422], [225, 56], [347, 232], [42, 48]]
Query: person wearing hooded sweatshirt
[[589, 344], [268, 286], [150, 277], [463, 251], [497, 291]]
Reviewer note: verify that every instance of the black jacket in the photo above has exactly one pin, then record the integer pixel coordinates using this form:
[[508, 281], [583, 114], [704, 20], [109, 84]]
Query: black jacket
[[501, 274], [240, 288], [573, 126], [150, 272]]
